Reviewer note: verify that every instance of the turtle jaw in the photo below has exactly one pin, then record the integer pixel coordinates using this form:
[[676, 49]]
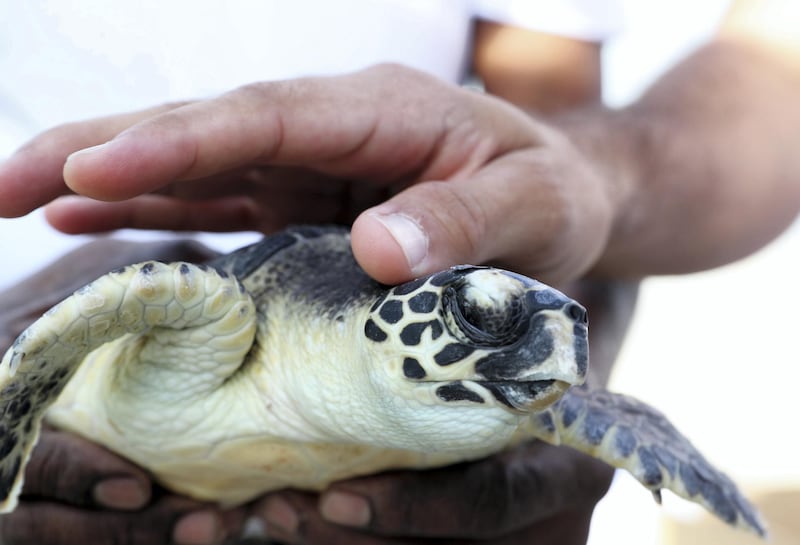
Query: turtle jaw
[[526, 396]]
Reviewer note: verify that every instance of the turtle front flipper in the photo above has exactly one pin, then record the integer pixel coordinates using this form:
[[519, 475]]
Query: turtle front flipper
[[139, 299], [631, 435]]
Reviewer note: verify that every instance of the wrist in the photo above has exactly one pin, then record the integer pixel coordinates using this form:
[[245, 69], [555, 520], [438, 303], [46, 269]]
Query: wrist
[[603, 140]]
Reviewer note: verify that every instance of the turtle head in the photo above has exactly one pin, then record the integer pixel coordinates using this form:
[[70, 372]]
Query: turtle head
[[478, 336]]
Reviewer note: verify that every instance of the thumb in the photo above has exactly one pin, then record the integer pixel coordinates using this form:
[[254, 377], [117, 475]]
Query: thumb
[[514, 212], [426, 228]]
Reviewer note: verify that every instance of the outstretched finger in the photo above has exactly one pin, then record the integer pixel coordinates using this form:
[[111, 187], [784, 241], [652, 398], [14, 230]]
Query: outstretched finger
[[32, 176], [386, 123], [308, 121], [258, 201], [76, 215]]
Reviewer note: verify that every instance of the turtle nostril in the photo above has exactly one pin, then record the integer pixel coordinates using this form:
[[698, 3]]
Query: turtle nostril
[[577, 312]]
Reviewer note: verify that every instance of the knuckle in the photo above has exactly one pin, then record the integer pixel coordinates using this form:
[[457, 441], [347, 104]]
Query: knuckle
[[490, 507], [406, 87], [49, 472], [595, 479], [252, 91], [548, 480], [23, 527], [132, 533], [47, 140], [391, 70], [464, 219], [36, 524], [475, 495]]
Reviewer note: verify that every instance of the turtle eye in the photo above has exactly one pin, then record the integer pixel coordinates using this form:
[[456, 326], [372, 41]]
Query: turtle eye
[[484, 322]]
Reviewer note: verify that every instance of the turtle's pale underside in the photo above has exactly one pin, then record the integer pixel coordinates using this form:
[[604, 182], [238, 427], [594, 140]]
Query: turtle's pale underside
[[284, 365]]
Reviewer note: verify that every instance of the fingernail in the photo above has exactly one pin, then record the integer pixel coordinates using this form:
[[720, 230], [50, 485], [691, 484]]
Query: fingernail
[[345, 509], [281, 518], [121, 493], [199, 528], [408, 234], [68, 170], [87, 151]]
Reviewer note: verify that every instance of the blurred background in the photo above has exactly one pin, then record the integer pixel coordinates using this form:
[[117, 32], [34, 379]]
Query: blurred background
[[716, 351]]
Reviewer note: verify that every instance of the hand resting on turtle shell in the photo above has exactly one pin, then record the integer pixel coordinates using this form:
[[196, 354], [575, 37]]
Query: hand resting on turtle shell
[[285, 365]]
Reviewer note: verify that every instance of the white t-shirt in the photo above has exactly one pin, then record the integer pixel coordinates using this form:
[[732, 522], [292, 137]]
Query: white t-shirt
[[64, 60]]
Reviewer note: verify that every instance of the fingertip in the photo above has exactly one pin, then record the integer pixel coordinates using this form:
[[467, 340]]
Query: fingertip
[[80, 169], [389, 247], [346, 509], [60, 212], [124, 493], [281, 519], [420, 231], [77, 215], [113, 171], [122, 168], [204, 527]]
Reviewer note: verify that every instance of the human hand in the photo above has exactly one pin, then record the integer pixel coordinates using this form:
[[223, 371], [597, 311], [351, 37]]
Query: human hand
[[76, 491], [434, 175], [532, 493]]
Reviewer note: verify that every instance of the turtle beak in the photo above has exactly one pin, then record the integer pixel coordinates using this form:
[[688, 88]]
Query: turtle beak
[[527, 396], [551, 355]]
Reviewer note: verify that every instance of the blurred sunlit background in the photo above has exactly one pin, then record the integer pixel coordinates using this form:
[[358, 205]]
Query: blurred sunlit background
[[716, 351]]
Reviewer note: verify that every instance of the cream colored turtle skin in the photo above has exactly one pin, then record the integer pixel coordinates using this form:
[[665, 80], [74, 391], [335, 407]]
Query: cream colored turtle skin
[[285, 365]]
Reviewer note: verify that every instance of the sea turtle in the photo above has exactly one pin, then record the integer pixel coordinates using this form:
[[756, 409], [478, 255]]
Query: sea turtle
[[284, 365]]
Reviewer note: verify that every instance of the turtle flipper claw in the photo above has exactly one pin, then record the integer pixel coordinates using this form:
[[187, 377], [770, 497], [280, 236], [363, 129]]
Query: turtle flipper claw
[[631, 435]]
